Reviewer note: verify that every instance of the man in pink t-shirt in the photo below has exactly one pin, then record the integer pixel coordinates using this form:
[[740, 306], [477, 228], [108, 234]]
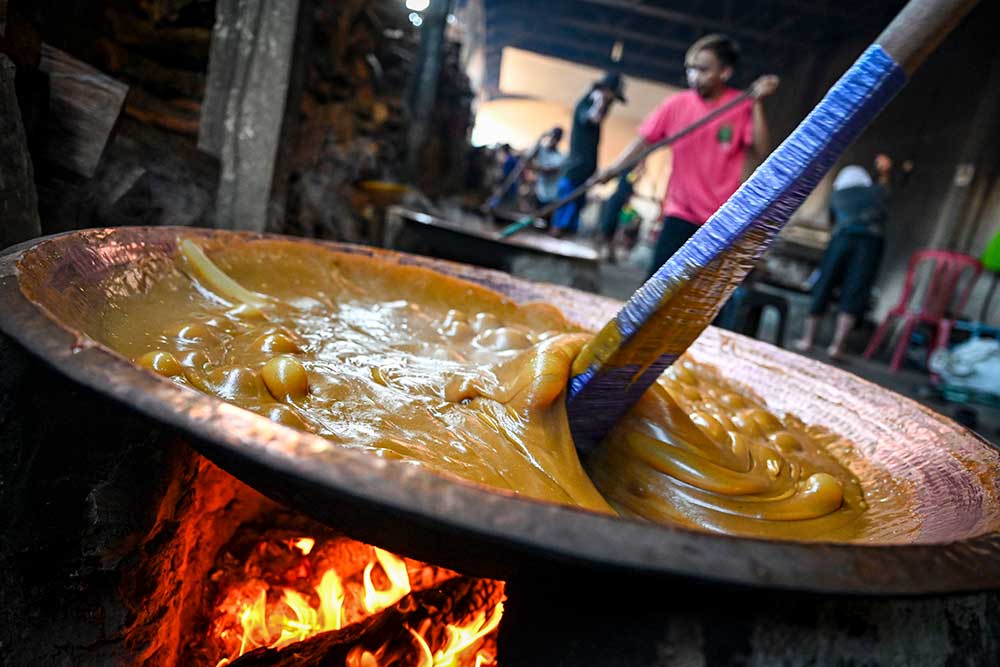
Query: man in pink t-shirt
[[708, 163]]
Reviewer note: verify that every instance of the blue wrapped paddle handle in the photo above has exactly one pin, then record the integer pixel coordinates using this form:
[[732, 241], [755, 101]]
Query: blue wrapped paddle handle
[[675, 305]]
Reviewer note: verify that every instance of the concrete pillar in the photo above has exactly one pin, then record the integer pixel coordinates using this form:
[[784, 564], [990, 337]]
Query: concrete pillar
[[251, 104]]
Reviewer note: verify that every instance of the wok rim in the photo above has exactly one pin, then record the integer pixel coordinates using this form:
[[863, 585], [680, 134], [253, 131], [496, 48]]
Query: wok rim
[[501, 532]]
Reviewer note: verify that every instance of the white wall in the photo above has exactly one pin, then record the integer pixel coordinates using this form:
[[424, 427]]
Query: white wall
[[547, 89]]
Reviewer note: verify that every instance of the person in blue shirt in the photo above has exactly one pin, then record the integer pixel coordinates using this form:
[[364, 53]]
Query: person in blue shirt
[[858, 210], [584, 139], [547, 165]]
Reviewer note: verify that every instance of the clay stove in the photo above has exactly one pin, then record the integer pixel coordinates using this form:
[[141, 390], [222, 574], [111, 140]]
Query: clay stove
[[286, 590], [125, 546]]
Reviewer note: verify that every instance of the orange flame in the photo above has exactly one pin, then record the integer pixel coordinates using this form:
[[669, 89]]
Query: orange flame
[[399, 582], [331, 601], [460, 639], [293, 618], [463, 637], [254, 622], [304, 544], [359, 657], [426, 657]]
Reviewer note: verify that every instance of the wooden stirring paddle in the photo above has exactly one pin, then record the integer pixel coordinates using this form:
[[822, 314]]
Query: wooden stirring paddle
[[671, 309]]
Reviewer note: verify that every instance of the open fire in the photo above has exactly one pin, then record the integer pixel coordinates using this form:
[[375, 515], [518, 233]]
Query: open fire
[[341, 595], [159, 558]]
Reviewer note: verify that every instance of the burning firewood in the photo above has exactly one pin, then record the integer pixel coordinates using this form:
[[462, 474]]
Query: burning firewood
[[425, 628], [285, 585]]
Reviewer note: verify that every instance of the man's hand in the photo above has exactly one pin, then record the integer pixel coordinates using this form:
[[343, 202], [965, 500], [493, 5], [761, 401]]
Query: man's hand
[[764, 86], [600, 178]]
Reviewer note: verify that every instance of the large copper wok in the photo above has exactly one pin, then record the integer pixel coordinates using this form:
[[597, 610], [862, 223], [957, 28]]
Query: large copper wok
[[953, 476]]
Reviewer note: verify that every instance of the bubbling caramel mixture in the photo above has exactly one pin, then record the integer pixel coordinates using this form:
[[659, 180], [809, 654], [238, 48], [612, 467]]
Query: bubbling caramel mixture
[[409, 364], [697, 452]]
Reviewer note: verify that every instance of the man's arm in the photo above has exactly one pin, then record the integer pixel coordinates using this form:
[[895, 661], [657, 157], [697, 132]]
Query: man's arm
[[762, 87], [761, 134], [656, 126], [630, 153]]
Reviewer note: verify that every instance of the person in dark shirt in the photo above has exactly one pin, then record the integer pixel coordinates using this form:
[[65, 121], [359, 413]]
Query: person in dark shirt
[[858, 210], [508, 163], [584, 139]]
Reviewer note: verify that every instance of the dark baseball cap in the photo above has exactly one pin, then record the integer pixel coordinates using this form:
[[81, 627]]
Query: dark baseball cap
[[613, 82]]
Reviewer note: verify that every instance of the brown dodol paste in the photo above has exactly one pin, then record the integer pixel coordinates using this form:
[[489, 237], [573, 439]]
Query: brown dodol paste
[[409, 364]]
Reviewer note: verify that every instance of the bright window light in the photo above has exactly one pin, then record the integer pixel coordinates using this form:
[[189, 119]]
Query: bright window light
[[418, 5]]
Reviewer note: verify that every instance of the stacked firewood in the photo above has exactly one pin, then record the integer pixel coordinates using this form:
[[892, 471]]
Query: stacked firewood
[[160, 49], [109, 93], [157, 48], [151, 57], [354, 117]]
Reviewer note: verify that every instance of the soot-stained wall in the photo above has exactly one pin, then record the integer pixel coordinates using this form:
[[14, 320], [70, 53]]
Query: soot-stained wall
[[946, 117]]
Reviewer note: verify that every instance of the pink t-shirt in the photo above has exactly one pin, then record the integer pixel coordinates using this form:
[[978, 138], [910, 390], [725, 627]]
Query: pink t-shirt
[[708, 163]]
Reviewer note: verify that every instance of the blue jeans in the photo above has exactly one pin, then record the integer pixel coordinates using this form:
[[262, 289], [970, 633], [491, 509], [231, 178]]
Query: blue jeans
[[567, 216]]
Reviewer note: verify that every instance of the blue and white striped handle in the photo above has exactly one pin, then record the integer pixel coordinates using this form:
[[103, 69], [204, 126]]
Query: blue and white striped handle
[[674, 306]]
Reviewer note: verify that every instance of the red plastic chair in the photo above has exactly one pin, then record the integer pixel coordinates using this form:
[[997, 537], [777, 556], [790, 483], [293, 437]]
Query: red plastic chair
[[946, 271]]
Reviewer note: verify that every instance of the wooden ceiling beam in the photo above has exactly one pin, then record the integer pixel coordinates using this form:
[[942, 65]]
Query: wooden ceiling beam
[[685, 18]]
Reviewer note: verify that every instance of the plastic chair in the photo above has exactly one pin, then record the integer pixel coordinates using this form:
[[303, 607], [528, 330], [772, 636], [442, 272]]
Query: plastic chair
[[946, 271]]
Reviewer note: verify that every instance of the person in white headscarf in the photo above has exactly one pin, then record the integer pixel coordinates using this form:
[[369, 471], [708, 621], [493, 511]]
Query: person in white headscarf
[[858, 212]]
